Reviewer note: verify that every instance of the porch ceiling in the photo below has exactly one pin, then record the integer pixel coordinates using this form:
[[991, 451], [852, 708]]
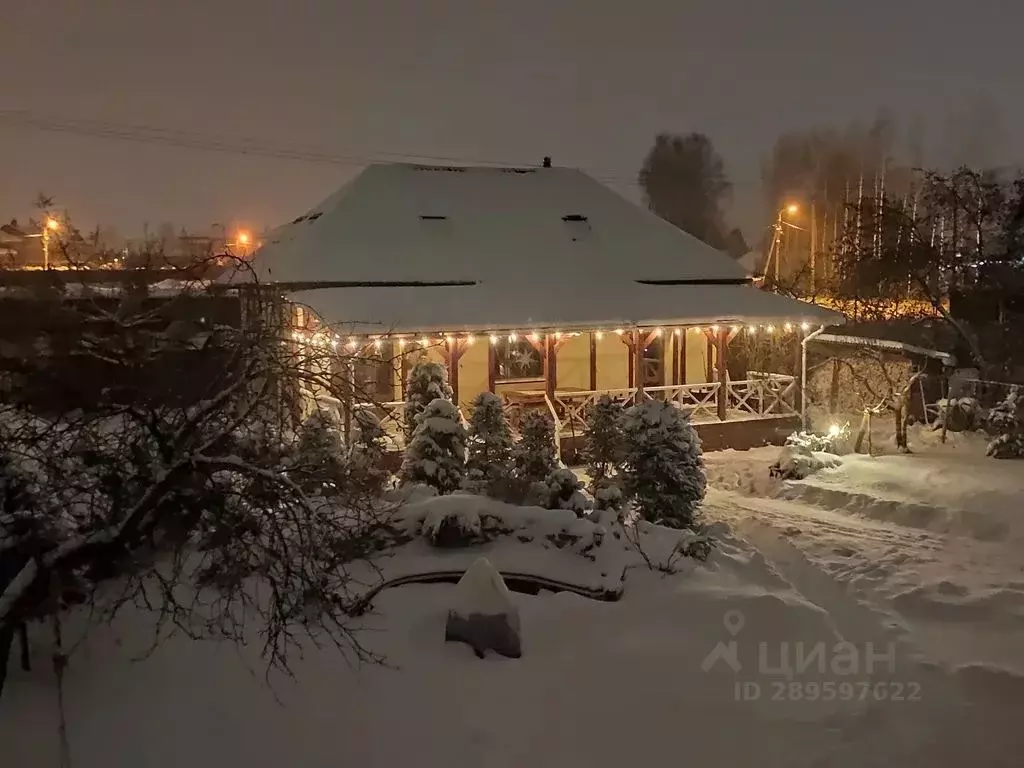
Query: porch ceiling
[[572, 305]]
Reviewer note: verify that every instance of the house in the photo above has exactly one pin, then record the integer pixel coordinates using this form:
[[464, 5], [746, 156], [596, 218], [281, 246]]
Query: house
[[540, 284]]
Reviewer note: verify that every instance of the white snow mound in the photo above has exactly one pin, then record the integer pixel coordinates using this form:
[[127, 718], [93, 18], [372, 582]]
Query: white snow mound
[[481, 591]]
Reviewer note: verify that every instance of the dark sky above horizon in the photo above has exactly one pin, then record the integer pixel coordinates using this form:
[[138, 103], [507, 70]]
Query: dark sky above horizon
[[588, 82]]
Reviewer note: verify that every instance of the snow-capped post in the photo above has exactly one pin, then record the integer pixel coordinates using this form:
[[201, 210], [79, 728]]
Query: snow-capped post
[[804, 417], [550, 366], [483, 614], [436, 456]]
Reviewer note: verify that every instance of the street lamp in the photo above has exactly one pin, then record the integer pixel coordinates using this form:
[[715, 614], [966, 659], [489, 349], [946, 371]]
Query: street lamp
[[52, 225], [775, 250]]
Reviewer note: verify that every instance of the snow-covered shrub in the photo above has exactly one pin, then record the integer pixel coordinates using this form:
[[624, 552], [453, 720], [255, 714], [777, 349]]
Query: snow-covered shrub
[[319, 454], [436, 456], [366, 472], [565, 491], [452, 527], [602, 446], [663, 467], [809, 441], [428, 381], [798, 460], [959, 414], [489, 444], [609, 497], [534, 454], [1006, 422]]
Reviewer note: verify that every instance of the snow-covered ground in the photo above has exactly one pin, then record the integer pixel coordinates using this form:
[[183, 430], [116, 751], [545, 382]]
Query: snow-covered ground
[[915, 558]]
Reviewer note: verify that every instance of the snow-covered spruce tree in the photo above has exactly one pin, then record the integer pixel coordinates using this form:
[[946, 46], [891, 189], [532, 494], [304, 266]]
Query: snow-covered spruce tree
[[489, 443], [427, 382], [663, 469], [1006, 423], [366, 471], [319, 458], [436, 455], [534, 454], [602, 446]]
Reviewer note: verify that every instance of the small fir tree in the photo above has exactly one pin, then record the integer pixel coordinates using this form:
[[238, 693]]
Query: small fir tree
[[489, 448], [319, 463], [602, 447], [565, 491], [1006, 423], [427, 382], [534, 454], [436, 456], [663, 470], [366, 471]]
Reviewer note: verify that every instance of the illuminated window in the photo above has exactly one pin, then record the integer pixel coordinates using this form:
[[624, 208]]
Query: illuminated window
[[517, 360]]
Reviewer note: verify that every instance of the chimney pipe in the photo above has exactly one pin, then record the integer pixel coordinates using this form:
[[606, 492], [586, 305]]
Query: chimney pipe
[[547, 162]]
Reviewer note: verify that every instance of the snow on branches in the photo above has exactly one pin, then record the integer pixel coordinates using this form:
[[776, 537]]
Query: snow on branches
[[436, 456], [663, 468], [427, 382]]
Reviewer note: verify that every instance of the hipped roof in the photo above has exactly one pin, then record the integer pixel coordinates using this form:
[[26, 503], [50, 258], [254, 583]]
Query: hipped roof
[[541, 247]]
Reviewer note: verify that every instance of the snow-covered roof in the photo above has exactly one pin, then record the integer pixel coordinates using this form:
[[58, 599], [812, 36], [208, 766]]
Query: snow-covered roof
[[476, 248], [885, 344], [588, 305], [414, 223]]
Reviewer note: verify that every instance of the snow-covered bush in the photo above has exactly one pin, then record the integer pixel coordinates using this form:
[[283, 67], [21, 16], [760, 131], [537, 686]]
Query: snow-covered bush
[[319, 454], [809, 441], [489, 444], [609, 497], [436, 456], [798, 460], [602, 446], [1006, 422], [452, 527], [565, 491], [366, 471], [959, 414], [534, 454], [428, 381], [663, 467]]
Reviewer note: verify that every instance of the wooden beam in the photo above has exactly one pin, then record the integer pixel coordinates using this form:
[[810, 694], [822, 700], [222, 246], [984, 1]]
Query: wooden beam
[[550, 366], [677, 339], [638, 363], [492, 365], [723, 374], [453, 353], [593, 361], [709, 358], [681, 357]]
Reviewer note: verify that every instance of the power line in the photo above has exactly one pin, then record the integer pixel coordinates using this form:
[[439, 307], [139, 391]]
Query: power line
[[146, 134]]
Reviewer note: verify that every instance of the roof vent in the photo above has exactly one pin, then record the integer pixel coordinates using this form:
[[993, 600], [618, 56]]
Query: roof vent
[[547, 162], [424, 217], [574, 217], [449, 168], [518, 170], [315, 216]]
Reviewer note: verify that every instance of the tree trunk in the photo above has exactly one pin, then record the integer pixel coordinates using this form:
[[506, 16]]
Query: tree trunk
[[900, 414], [862, 431], [833, 390]]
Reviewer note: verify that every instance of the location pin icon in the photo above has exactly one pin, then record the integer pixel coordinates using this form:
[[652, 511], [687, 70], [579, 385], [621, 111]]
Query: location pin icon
[[733, 621]]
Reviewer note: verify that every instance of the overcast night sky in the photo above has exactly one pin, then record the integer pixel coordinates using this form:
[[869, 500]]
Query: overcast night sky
[[588, 82]]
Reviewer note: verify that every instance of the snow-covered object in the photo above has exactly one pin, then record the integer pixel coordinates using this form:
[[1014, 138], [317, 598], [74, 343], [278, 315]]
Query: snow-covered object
[[602, 446], [609, 497], [797, 461], [483, 614], [489, 441], [1006, 422], [959, 414], [366, 470], [319, 457], [565, 491], [428, 381], [437, 454], [457, 526], [663, 471], [534, 454]]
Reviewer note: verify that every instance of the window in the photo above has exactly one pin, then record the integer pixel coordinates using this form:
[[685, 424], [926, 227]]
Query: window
[[653, 361], [516, 360]]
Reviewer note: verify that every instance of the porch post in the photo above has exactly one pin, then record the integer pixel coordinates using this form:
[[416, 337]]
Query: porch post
[[492, 364], [593, 362], [550, 366], [638, 363], [453, 353], [723, 373]]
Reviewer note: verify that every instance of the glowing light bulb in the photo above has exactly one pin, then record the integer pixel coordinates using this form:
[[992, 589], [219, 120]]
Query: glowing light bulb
[[618, 331], [714, 328], [787, 327], [534, 337], [512, 337], [470, 339], [804, 326], [599, 335]]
